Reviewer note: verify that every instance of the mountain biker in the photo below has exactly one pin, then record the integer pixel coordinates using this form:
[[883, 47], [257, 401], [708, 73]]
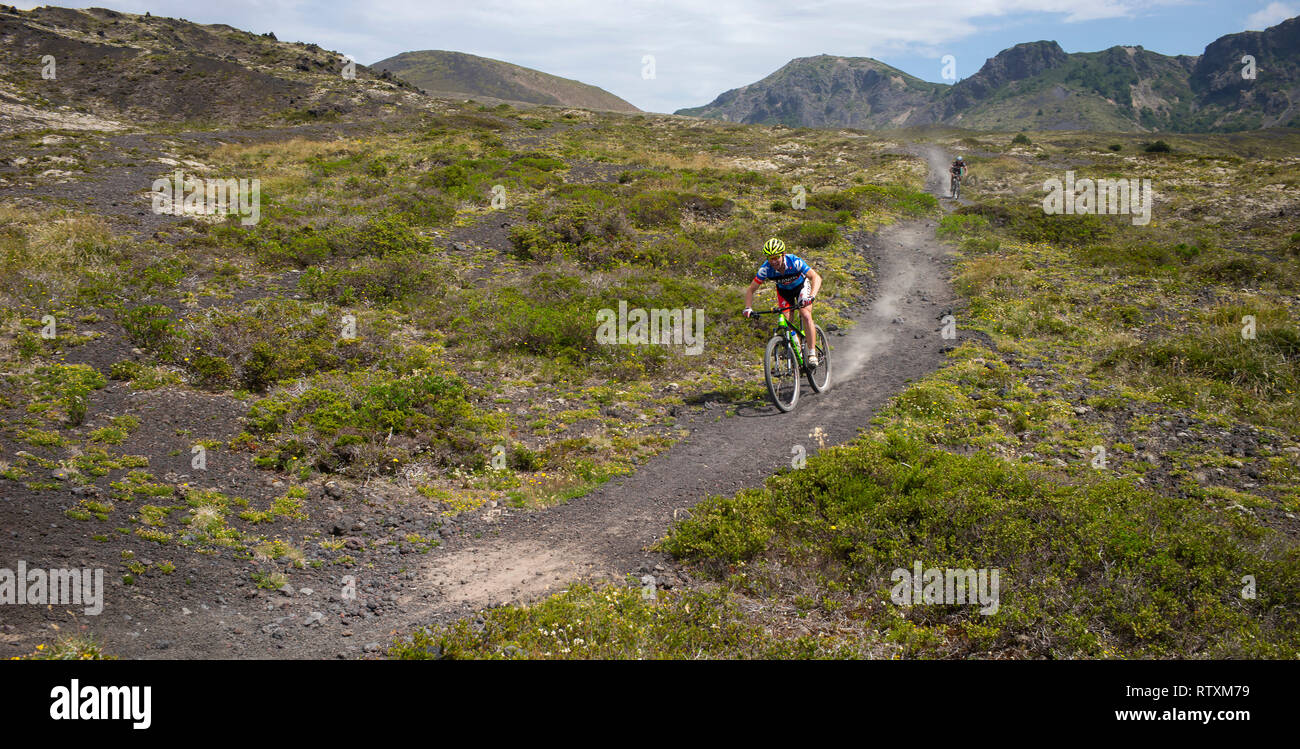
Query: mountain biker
[[958, 168], [788, 271]]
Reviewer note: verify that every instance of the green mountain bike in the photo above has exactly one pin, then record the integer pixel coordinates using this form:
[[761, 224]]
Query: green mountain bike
[[783, 361]]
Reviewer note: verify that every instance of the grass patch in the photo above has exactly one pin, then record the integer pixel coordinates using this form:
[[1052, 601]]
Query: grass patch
[[1088, 570]]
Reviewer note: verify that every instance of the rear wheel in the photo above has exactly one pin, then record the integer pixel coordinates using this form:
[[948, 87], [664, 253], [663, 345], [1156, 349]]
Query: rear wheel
[[820, 378], [781, 370]]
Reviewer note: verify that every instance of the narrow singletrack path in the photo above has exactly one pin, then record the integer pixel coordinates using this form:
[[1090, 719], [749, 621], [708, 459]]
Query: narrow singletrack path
[[607, 532], [522, 556]]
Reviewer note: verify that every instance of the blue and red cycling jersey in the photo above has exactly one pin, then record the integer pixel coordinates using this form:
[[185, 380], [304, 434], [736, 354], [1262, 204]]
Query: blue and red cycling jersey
[[795, 272]]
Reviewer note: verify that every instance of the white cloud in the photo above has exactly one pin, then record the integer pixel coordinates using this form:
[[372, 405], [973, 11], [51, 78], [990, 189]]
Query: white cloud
[[702, 47], [1271, 15]]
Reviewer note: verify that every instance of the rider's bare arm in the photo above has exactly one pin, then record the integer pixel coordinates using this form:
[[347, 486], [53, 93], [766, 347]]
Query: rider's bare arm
[[816, 279], [749, 293]]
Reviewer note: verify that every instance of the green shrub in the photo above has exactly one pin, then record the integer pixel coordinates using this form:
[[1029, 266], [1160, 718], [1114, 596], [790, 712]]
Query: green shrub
[[541, 162], [384, 234], [959, 225], [393, 277], [1137, 257], [550, 316], [612, 622], [1031, 224], [812, 234], [469, 180], [60, 391], [1293, 243], [896, 198], [557, 229], [422, 208], [259, 345], [1237, 268], [1266, 365], [834, 201], [1087, 569], [346, 422], [649, 210], [151, 327]]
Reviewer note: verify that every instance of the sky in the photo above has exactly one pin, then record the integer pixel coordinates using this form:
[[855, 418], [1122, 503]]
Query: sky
[[662, 55]]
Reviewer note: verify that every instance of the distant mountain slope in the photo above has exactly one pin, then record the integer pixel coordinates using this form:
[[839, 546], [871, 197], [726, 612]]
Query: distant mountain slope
[[128, 69], [1229, 101], [1038, 86], [826, 91], [442, 72]]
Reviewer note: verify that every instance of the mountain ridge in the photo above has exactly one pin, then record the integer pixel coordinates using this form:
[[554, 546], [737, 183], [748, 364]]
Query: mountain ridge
[[1040, 86], [462, 74]]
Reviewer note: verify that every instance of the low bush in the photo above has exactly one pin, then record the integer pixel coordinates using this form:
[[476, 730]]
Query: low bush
[[391, 278], [365, 423], [256, 346], [1087, 570]]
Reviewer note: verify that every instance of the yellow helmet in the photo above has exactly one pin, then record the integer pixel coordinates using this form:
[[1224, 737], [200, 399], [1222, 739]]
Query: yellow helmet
[[774, 246]]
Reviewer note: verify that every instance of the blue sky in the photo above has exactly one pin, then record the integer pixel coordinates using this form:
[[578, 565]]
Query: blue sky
[[704, 47]]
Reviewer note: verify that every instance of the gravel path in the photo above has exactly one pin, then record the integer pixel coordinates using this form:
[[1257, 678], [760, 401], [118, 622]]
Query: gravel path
[[520, 556]]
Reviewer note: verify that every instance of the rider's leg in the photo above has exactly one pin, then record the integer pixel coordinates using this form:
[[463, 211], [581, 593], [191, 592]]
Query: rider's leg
[[787, 308], [810, 330]]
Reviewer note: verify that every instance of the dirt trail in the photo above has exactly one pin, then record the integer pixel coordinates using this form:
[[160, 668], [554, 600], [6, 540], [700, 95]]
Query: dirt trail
[[520, 556], [938, 161], [897, 339], [607, 532]]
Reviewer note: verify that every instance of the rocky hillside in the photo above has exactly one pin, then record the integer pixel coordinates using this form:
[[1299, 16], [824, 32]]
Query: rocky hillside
[[826, 91], [471, 76], [1236, 103], [104, 69], [1039, 86]]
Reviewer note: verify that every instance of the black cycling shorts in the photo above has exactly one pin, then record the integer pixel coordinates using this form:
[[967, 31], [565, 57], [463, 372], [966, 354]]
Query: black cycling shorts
[[790, 297]]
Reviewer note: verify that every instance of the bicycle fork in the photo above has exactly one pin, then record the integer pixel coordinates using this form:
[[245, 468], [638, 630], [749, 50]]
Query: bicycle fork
[[797, 344]]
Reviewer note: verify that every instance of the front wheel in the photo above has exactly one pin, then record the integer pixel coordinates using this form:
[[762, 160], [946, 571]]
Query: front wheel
[[820, 378], [781, 370]]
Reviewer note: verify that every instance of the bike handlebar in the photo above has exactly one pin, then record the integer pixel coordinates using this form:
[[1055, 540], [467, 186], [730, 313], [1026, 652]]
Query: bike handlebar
[[778, 310]]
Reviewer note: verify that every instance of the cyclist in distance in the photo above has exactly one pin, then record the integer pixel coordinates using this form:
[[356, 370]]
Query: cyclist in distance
[[957, 170], [797, 285]]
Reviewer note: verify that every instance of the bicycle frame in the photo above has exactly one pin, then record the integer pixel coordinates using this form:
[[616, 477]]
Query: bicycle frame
[[778, 367], [792, 332]]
